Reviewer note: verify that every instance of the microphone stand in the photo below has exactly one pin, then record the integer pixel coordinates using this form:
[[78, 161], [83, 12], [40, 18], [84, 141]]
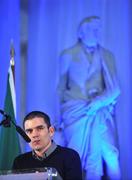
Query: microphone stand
[[6, 123]]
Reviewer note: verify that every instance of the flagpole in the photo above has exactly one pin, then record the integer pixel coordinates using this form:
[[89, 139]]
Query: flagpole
[[12, 61]]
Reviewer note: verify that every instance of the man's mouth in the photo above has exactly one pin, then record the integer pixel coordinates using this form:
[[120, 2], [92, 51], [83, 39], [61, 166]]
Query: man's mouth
[[36, 142]]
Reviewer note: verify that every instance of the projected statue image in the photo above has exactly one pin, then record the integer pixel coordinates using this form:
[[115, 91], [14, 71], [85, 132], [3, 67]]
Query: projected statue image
[[88, 92]]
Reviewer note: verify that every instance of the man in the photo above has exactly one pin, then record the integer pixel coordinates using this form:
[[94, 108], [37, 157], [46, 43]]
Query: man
[[45, 153], [88, 91]]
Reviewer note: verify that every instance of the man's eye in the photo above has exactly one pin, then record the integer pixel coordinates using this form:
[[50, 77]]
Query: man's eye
[[40, 128], [28, 131]]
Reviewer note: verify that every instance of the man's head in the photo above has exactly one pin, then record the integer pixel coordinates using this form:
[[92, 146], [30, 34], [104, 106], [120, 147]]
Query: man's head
[[38, 127], [89, 30]]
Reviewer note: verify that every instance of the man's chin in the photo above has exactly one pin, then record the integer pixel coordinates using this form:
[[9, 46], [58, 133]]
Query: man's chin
[[37, 148]]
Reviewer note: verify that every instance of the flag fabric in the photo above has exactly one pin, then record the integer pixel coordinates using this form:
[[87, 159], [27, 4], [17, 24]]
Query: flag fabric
[[9, 140]]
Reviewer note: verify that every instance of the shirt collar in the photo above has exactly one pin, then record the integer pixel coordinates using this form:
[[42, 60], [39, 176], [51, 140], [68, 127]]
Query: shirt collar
[[46, 153]]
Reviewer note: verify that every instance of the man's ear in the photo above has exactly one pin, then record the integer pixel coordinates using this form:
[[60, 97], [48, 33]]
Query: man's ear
[[51, 130]]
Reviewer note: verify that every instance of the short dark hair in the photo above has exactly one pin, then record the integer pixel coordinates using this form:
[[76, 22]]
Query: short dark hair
[[34, 114]]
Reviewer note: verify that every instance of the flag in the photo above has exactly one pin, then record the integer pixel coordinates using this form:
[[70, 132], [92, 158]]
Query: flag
[[9, 140]]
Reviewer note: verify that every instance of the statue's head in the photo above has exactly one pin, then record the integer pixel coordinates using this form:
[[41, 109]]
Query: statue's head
[[89, 30]]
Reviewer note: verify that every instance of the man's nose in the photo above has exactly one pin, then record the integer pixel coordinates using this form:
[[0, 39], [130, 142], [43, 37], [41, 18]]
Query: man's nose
[[35, 133]]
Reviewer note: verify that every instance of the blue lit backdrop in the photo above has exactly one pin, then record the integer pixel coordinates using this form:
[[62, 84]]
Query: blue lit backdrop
[[51, 26]]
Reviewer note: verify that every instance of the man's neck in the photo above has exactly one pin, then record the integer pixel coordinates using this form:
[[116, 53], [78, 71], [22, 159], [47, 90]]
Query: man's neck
[[41, 155], [41, 152]]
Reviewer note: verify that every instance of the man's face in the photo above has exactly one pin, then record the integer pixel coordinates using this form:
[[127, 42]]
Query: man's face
[[39, 133], [90, 33]]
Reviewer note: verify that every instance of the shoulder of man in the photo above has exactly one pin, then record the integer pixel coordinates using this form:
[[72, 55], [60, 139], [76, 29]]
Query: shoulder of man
[[68, 151], [24, 156], [21, 160], [72, 161]]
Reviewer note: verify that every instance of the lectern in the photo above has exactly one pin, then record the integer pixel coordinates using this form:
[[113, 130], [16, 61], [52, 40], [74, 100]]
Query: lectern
[[45, 173]]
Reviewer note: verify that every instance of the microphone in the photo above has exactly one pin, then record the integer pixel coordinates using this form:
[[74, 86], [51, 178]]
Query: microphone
[[23, 134], [18, 128]]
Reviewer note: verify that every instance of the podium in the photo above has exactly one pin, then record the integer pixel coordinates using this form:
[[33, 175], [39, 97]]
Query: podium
[[45, 173]]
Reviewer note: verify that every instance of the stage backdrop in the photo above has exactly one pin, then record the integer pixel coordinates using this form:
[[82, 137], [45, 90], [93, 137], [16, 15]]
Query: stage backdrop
[[41, 29]]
